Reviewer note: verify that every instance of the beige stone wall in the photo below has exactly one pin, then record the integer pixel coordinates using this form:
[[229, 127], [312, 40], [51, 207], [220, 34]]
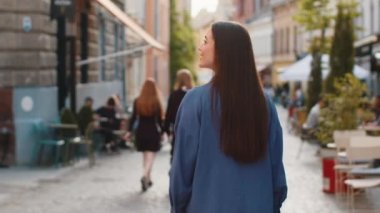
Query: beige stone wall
[[285, 44], [26, 58], [283, 21]]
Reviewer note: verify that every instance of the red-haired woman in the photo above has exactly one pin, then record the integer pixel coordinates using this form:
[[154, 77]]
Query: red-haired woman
[[146, 121]]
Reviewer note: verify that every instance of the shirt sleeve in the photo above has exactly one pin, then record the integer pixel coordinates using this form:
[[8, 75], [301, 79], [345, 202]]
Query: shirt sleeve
[[187, 127], [276, 152], [168, 116]]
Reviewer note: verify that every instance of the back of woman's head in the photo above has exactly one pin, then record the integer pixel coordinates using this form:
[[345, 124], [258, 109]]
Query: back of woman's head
[[244, 112], [183, 79], [148, 102]]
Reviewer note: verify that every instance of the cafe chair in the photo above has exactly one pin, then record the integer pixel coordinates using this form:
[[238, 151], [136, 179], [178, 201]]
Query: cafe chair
[[45, 140]]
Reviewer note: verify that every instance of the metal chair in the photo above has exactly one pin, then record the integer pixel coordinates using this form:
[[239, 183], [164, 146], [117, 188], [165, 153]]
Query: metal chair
[[362, 148], [342, 166], [44, 139]]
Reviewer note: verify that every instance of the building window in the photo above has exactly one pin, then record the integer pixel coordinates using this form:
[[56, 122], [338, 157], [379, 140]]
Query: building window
[[241, 8], [102, 45], [278, 43], [157, 20], [143, 14], [281, 41], [155, 68], [371, 18], [287, 39], [378, 17], [116, 28], [274, 42], [295, 44]]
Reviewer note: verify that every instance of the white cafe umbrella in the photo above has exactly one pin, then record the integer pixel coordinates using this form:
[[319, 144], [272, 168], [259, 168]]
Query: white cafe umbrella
[[300, 70]]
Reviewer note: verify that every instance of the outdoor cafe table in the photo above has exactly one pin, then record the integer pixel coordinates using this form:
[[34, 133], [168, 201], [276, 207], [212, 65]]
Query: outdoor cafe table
[[63, 126]]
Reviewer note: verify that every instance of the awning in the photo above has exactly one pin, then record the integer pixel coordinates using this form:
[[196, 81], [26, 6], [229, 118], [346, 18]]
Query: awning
[[123, 17], [367, 40], [300, 70], [112, 55]]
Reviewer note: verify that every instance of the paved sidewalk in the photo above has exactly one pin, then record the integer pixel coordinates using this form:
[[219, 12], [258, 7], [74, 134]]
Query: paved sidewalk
[[113, 185], [18, 179]]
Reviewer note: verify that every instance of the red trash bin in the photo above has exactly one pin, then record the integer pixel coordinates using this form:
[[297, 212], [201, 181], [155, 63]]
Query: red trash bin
[[328, 175]]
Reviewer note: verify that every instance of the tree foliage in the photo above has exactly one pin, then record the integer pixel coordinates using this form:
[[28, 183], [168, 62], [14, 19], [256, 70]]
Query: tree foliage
[[314, 88], [341, 112], [315, 15], [342, 51], [182, 42]]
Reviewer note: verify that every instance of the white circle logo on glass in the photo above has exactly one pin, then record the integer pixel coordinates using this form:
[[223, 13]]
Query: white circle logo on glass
[[27, 104], [27, 23]]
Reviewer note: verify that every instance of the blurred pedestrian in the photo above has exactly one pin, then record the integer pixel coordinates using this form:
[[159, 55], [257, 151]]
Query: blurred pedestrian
[[146, 119], [228, 153], [183, 84], [376, 106], [85, 115], [119, 108], [106, 115]]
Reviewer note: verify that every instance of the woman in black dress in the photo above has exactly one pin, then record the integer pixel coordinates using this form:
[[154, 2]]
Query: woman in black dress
[[183, 83], [146, 123]]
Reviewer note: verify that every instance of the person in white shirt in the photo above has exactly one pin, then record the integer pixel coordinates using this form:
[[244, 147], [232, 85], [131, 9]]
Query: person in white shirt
[[312, 120]]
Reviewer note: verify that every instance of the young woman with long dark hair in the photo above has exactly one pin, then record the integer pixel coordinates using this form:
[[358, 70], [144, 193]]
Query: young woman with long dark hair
[[228, 154]]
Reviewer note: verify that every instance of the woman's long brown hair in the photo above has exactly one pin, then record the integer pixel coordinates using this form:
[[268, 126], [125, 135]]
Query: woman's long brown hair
[[244, 113], [148, 103]]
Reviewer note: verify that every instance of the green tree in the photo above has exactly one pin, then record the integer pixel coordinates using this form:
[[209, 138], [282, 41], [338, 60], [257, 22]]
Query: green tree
[[342, 51], [314, 88], [315, 16], [343, 107], [182, 43]]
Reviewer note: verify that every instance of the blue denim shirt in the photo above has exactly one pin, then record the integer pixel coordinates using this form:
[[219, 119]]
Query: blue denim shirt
[[204, 179]]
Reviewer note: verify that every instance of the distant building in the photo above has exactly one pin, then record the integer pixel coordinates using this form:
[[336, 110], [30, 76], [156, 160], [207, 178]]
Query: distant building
[[368, 42], [260, 27], [286, 36]]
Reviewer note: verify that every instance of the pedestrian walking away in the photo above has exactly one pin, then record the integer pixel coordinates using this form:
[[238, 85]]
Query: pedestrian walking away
[[183, 84], [228, 152], [146, 124]]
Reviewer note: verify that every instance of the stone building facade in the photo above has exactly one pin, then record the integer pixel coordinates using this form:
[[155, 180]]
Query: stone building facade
[[32, 85], [368, 42], [286, 36], [27, 57]]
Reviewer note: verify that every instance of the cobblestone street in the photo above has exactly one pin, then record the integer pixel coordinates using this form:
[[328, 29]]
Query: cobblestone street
[[113, 186]]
